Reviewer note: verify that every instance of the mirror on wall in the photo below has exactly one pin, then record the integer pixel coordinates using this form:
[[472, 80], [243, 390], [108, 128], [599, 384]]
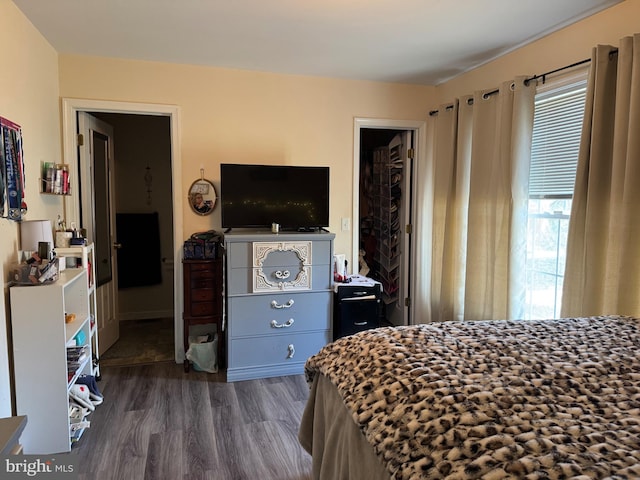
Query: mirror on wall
[[202, 196]]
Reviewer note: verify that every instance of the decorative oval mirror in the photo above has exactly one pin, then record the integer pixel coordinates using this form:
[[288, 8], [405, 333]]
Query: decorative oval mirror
[[202, 196]]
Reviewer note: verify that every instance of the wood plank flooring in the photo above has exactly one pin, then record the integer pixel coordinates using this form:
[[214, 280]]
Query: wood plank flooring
[[158, 423]]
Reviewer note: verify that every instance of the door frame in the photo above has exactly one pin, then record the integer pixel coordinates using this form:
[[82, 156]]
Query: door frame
[[70, 108], [419, 129]]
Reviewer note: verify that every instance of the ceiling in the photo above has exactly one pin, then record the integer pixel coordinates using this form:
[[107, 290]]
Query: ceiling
[[408, 41]]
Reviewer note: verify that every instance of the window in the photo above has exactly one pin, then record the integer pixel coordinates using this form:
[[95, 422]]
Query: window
[[557, 124]]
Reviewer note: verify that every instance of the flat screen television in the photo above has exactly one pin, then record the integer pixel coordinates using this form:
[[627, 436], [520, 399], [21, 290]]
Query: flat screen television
[[255, 196]]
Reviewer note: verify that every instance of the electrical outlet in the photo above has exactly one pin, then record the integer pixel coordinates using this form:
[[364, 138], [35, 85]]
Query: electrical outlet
[[346, 224]]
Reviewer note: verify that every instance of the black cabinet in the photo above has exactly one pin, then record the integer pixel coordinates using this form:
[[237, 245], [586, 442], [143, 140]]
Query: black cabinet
[[356, 308]]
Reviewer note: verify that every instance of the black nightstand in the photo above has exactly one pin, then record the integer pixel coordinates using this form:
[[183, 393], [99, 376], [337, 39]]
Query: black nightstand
[[356, 307]]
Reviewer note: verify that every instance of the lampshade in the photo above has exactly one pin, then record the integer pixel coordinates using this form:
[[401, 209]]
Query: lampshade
[[34, 231]]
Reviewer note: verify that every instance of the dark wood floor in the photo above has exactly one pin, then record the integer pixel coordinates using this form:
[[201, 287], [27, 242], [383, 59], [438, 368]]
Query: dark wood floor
[[158, 422]]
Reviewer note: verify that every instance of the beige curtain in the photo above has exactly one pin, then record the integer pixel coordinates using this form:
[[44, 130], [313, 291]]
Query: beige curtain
[[480, 150], [602, 273]]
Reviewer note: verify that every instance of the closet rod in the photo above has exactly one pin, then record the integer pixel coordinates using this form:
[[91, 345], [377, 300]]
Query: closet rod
[[535, 77]]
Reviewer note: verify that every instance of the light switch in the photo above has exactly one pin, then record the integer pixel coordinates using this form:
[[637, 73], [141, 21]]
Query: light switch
[[346, 224]]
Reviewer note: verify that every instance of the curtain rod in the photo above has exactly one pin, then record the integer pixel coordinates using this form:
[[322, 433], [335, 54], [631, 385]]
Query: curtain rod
[[535, 77], [581, 62], [543, 76]]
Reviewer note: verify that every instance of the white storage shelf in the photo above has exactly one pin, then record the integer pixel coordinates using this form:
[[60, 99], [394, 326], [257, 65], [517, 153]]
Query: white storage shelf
[[85, 257], [40, 338]]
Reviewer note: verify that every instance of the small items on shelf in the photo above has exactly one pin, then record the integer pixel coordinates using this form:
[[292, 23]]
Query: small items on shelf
[[77, 420], [35, 271], [76, 358], [77, 428], [85, 393], [84, 397], [55, 178]]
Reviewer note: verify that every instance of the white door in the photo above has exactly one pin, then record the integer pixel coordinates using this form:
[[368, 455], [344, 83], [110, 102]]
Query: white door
[[398, 311], [96, 165]]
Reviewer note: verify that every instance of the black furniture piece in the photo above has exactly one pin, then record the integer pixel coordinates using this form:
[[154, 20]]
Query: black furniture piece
[[356, 307]]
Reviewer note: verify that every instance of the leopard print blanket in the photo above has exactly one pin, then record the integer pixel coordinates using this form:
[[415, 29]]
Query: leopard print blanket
[[550, 399]]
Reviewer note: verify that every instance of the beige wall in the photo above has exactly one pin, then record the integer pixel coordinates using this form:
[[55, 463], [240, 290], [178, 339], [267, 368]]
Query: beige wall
[[230, 115], [28, 97], [233, 115], [251, 117], [565, 47]]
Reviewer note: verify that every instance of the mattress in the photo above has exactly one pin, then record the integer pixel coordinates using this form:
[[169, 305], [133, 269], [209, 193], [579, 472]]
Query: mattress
[[486, 399]]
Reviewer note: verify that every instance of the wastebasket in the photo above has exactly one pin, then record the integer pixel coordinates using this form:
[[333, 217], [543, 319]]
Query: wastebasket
[[203, 352]]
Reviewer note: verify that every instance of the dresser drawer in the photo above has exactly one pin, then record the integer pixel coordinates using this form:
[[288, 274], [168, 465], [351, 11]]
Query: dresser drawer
[[203, 279], [349, 291], [243, 254], [202, 302], [201, 294], [200, 309], [275, 349], [205, 275], [297, 312], [202, 266], [281, 278], [240, 281]]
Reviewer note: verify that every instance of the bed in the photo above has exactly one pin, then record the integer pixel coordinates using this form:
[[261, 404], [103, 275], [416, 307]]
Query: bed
[[485, 399]]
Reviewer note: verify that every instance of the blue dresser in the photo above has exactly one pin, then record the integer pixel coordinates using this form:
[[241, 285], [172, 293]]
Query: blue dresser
[[279, 301]]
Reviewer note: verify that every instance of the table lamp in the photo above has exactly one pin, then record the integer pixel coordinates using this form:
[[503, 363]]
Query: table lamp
[[37, 236]]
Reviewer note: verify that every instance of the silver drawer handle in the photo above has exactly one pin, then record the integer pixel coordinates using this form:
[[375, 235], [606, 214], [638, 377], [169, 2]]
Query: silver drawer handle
[[282, 274], [292, 350], [286, 324], [359, 324], [275, 304]]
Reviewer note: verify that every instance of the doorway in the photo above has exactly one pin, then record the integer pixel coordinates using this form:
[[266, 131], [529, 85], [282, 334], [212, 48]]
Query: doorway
[[144, 185], [143, 224], [385, 156]]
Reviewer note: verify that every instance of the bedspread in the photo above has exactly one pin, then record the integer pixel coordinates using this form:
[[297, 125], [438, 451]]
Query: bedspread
[[495, 399]]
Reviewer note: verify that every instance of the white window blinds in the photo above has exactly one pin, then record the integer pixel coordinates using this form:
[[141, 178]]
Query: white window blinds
[[557, 125]]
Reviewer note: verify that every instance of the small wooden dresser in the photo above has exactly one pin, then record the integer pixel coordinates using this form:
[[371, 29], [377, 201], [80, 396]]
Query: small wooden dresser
[[203, 298]]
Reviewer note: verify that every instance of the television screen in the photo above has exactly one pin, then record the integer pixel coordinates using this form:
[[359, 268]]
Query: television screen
[[295, 197]]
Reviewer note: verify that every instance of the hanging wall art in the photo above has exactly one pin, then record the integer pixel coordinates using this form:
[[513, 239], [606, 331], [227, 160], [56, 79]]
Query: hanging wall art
[[12, 205]]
